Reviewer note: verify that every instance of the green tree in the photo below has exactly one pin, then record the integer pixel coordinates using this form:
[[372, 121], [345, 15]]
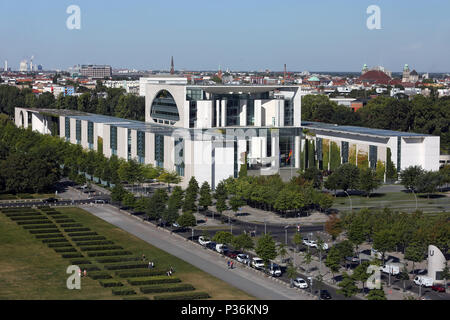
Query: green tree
[[415, 252], [236, 203], [368, 181], [169, 177], [291, 273], [333, 260], [157, 204], [429, 182], [376, 294], [177, 197], [221, 205], [170, 214], [404, 276], [383, 241], [333, 226], [189, 205], [223, 237], [266, 248], [117, 193], [205, 196], [360, 272], [128, 200], [187, 220], [409, 177], [243, 242], [307, 260], [348, 286]]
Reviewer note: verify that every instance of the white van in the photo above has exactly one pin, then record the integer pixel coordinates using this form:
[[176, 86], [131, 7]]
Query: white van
[[221, 248], [423, 281], [391, 268]]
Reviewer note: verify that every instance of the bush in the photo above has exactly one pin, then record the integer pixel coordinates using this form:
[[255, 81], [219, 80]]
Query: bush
[[28, 218], [99, 275], [80, 261], [62, 217], [39, 226], [117, 259], [110, 283], [64, 220], [53, 235], [184, 296], [167, 288], [82, 234], [126, 266], [64, 250], [54, 214], [152, 280], [59, 245], [71, 225], [44, 231], [108, 253], [93, 243], [77, 239], [76, 229], [123, 292], [89, 267], [140, 273], [24, 214], [103, 248], [72, 255]]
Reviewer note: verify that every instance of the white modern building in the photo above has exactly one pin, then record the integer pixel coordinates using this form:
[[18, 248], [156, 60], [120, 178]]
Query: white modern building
[[210, 131]]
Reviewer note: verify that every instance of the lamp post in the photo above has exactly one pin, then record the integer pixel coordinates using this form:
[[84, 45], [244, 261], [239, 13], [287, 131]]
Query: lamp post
[[285, 234], [351, 206]]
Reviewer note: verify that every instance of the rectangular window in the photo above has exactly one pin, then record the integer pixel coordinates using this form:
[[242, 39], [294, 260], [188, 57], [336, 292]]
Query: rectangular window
[[373, 154], [179, 157], [141, 146], [113, 139], [91, 135], [236, 169], [288, 113], [344, 148], [78, 131], [269, 144], [159, 150], [399, 153], [192, 113], [129, 143], [67, 120]]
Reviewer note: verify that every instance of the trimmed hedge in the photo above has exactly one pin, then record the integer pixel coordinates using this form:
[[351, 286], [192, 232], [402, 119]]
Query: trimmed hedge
[[82, 234], [72, 255], [55, 240], [40, 227], [64, 250], [76, 229], [81, 261], [23, 218], [64, 220], [126, 266], [117, 259], [59, 245], [153, 280], [166, 288], [110, 283], [24, 223], [183, 296], [71, 225], [108, 253], [45, 231], [135, 298], [123, 292], [93, 243], [99, 275], [55, 213], [88, 267], [78, 239], [23, 214], [140, 273], [62, 217], [102, 248], [53, 235]]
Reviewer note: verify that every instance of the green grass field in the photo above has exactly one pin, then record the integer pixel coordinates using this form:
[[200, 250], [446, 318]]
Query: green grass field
[[32, 269]]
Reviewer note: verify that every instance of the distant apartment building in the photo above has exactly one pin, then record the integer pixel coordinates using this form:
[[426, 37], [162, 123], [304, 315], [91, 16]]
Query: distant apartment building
[[96, 71]]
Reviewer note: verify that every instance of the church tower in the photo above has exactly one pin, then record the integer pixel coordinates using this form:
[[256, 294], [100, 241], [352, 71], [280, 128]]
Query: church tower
[[172, 69]]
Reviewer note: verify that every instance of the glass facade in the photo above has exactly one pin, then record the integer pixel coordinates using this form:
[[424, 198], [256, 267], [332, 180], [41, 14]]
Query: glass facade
[[399, 153], [78, 131], [164, 108], [91, 135], [192, 113], [129, 144], [344, 148], [236, 167], [141, 146], [179, 157], [233, 110], [67, 128], [159, 150], [373, 154], [194, 94], [113, 139], [288, 112], [250, 112], [319, 148]]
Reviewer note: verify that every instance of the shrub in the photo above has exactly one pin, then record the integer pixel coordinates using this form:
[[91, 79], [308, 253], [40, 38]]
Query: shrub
[[44, 231], [167, 288], [140, 273], [23, 214], [72, 255], [89, 267], [117, 259], [64, 250], [62, 217], [82, 234], [93, 243], [64, 220], [184, 296], [110, 283], [80, 261], [53, 235], [126, 266], [123, 292], [77, 239], [103, 248], [99, 275], [57, 240], [40, 227], [59, 245], [54, 214], [76, 229], [108, 253], [28, 218], [71, 225], [152, 280]]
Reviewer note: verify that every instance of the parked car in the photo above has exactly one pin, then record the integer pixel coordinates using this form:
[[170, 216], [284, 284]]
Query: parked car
[[352, 259], [274, 270], [393, 269], [221, 248], [203, 240], [423, 281], [231, 254], [325, 295], [257, 263], [306, 242], [243, 258], [300, 283], [313, 244], [176, 225], [50, 200], [438, 287], [211, 245], [376, 254]]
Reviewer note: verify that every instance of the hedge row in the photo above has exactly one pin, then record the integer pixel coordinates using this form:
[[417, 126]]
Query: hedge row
[[65, 250], [125, 266], [93, 243], [99, 275], [53, 235], [55, 213], [45, 231], [71, 225], [92, 238], [108, 253], [135, 298], [59, 245], [110, 283], [123, 292], [80, 261], [72, 255], [62, 217], [76, 229], [117, 259], [82, 234], [140, 273], [58, 240], [40, 227], [22, 223], [64, 220], [152, 280], [183, 296], [171, 288], [28, 218], [23, 214], [88, 267], [101, 248]]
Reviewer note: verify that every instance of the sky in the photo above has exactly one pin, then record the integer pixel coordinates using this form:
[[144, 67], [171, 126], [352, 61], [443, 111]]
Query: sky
[[246, 35]]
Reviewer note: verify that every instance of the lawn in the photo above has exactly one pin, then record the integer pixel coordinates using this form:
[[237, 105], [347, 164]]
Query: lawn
[[33, 270]]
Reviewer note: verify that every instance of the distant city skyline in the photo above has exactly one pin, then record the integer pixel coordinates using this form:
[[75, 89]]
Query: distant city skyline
[[330, 36]]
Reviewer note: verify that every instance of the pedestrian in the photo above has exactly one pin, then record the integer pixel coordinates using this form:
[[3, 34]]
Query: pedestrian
[[228, 264], [149, 265], [231, 264], [143, 257], [85, 273], [171, 270], [153, 265], [79, 272]]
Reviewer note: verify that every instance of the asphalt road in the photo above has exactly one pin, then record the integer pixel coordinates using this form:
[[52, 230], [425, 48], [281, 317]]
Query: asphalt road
[[206, 260]]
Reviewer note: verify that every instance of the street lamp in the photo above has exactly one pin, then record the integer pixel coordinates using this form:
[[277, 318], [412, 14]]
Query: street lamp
[[351, 206], [265, 227], [285, 234]]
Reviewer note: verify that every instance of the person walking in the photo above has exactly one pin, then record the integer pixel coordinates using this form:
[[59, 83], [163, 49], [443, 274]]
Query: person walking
[[228, 264], [231, 264], [85, 273]]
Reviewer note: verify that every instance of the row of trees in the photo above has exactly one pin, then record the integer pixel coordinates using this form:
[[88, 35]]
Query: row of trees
[[428, 115]]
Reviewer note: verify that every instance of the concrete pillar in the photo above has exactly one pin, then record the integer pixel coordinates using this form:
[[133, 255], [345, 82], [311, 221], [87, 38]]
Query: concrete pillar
[[297, 152], [243, 113], [224, 113], [217, 113]]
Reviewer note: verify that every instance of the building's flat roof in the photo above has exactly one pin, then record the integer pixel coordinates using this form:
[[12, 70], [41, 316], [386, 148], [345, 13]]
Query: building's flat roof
[[241, 89], [360, 130]]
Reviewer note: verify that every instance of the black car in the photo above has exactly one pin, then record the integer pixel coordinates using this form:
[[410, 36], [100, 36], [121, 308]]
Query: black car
[[50, 200], [325, 295], [211, 245]]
